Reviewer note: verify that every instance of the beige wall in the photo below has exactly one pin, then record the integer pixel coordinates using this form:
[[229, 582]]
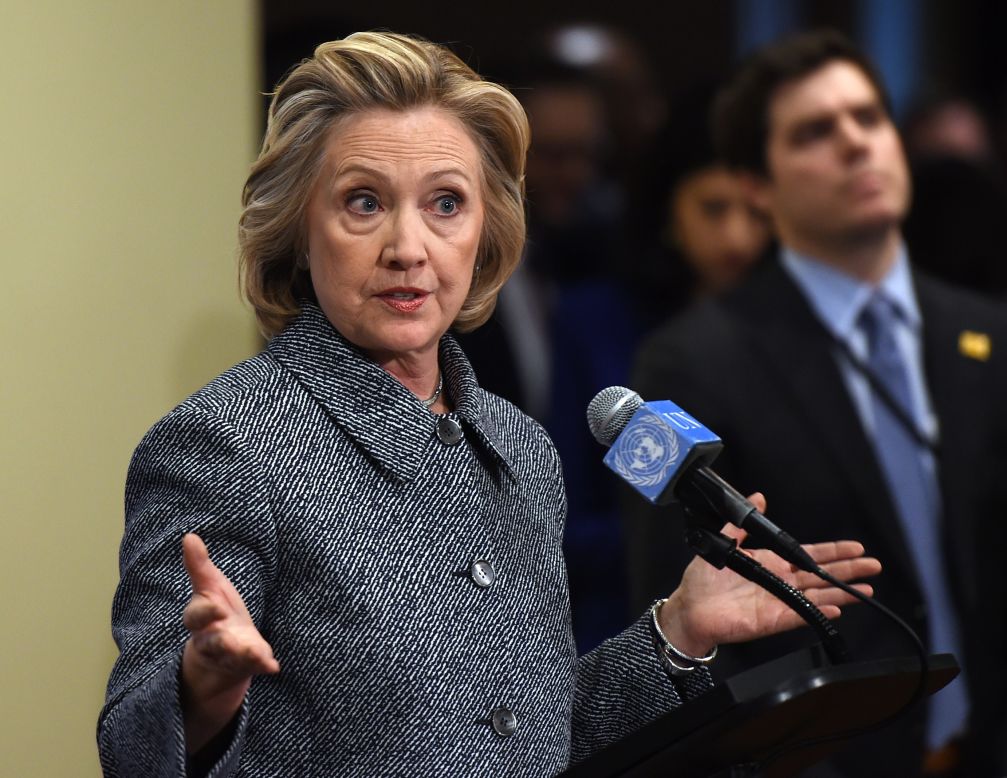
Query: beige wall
[[127, 128]]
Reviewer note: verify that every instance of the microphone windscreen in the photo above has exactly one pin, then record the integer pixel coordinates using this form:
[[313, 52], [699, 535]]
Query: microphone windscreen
[[610, 411]]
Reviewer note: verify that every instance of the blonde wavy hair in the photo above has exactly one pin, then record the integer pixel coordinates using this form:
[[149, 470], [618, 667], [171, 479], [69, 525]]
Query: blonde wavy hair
[[362, 72]]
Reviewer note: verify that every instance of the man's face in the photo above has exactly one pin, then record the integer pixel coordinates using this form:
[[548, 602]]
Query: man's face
[[567, 129], [837, 173]]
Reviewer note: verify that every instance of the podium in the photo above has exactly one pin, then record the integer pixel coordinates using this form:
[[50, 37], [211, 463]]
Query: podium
[[773, 720]]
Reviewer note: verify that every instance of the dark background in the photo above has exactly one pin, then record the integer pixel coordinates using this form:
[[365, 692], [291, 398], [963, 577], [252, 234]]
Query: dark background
[[924, 49], [952, 46]]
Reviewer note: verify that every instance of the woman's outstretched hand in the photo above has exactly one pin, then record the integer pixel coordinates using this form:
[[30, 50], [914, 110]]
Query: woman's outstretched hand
[[223, 652], [712, 607]]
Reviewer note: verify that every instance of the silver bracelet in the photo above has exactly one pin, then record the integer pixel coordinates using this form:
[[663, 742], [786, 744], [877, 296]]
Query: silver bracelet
[[673, 660]]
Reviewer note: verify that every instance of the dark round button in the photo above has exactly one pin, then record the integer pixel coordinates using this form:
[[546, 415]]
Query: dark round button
[[449, 432], [482, 573], [504, 722]]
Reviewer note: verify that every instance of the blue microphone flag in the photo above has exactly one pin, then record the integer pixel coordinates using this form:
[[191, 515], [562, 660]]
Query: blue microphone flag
[[658, 445]]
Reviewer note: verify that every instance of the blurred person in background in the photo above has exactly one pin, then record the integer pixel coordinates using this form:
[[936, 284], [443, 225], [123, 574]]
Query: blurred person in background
[[691, 231], [866, 396], [955, 228], [635, 103], [595, 107], [948, 125], [574, 218], [693, 228]]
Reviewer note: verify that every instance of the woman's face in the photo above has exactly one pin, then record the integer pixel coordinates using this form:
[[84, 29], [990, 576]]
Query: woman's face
[[719, 232], [393, 227]]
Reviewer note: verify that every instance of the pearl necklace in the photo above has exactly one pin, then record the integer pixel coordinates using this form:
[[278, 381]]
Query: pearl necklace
[[437, 392]]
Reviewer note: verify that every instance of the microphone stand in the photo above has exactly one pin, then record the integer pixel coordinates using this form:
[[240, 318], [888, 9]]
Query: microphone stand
[[758, 722], [722, 551]]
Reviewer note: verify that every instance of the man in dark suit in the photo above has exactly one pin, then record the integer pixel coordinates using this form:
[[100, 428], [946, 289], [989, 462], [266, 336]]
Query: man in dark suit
[[865, 400]]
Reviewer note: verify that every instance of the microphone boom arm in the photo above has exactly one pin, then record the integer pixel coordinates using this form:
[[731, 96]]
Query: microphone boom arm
[[706, 492], [722, 551]]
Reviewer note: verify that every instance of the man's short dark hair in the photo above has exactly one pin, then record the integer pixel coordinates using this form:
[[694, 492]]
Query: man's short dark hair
[[741, 111]]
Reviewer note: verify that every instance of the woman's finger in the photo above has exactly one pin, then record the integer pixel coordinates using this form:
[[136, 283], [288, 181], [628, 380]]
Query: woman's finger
[[846, 570], [758, 499], [833, 596], [823, 553], [734, 532], [236, 654], [201, 612], [203, 574]]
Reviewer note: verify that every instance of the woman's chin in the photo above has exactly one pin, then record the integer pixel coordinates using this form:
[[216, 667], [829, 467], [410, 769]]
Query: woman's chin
[[404, 339]]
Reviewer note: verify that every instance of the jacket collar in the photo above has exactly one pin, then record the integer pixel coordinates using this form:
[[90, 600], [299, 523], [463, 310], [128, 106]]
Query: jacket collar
[[383, 417]]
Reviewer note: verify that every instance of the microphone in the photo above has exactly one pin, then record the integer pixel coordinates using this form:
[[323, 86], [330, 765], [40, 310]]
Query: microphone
[[664, 454]]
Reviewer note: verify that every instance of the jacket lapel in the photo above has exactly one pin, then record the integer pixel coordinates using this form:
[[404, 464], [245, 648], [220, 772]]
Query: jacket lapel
[[955, 380], [471, 408], [383, 417], [799, 354], [374, 409]]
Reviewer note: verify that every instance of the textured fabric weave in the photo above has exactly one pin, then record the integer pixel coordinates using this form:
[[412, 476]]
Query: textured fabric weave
[[348, 527]]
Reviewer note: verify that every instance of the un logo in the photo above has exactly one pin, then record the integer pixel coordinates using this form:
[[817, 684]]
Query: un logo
[[646, 451]]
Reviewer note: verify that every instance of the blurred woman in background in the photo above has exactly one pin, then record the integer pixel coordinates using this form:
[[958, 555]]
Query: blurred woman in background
[[691, 231]]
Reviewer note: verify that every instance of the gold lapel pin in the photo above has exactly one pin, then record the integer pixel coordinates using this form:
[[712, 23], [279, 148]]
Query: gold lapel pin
[[975, 345]]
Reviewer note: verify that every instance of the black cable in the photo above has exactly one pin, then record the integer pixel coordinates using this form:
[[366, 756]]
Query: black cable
[[832, 640], [721, 551]]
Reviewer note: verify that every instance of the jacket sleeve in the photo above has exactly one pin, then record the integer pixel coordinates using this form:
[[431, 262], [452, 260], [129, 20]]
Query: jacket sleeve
[[621, 686], [191, 473]]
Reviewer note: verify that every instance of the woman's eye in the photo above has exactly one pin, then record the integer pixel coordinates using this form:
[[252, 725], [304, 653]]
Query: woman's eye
[[714, 209], [446, 205], [364, 204]]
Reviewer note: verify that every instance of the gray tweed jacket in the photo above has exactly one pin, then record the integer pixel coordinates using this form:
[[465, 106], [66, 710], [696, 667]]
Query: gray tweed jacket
[[350, 527]]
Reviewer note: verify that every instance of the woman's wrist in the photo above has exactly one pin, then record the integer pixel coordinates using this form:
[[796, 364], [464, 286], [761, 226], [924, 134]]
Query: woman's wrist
[[209, 702], [674, 623], [677, 658]]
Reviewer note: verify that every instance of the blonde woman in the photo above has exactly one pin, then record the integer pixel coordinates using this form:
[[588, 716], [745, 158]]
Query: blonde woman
[[387, 593]]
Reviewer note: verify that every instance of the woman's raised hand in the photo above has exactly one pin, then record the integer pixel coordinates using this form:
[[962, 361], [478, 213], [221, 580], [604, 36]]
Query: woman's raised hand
[[223, 652], [713, 606]]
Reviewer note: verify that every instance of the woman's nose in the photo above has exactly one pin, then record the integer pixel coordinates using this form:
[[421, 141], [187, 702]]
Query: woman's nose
[[404, 246]]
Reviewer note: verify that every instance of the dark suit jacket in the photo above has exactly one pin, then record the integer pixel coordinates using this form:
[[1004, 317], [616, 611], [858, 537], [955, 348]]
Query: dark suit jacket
[[759, 370]]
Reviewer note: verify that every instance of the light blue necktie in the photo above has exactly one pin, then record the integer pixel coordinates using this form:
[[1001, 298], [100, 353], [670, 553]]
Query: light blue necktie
[[912, 483]]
